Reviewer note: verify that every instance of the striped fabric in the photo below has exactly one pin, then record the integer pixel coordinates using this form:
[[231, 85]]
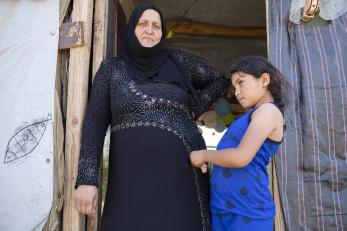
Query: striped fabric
[[312, 163]]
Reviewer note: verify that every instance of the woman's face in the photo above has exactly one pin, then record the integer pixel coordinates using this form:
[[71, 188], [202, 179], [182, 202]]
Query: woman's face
[[148, 29]]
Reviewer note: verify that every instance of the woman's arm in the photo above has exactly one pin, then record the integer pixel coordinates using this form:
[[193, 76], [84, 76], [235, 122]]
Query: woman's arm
[[209, 82], [96, 121], [265, 120]]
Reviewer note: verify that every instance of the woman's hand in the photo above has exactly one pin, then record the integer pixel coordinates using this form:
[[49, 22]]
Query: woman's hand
[[86, 199], [197, 159]]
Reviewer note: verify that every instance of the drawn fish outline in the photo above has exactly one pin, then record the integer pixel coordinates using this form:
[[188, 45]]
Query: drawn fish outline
[[24, 141]]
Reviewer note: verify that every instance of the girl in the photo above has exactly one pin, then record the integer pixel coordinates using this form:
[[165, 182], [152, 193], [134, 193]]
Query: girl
[[240, 198]]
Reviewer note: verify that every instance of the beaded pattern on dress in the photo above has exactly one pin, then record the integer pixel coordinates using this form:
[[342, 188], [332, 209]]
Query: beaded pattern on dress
[[117, 100]]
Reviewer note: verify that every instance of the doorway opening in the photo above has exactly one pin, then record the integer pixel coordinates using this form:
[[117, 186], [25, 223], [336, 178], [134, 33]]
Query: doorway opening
[[218, 32]]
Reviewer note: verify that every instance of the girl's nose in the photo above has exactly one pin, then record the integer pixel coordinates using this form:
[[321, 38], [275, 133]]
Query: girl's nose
[[237, 92]]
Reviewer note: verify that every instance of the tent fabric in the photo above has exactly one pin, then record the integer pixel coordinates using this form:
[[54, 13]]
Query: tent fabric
[[311, 165], [28, 57], [328, 9]]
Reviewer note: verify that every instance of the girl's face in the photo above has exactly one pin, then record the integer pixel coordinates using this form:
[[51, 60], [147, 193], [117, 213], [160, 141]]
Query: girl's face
[[148, 29], [249, 90]]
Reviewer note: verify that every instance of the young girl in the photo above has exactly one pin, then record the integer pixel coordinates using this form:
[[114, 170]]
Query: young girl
[[240, 197]]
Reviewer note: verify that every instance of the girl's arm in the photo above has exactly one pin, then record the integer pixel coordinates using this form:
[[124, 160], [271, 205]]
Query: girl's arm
[[265, 120]]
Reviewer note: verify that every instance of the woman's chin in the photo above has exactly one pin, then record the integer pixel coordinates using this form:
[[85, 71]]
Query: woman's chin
[[148, 44]]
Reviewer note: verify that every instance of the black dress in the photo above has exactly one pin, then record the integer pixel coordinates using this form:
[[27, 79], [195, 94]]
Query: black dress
[[152, 185]]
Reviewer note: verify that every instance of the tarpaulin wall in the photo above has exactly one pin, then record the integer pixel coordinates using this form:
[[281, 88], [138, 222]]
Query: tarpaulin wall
[[29, 33], [311, 165]]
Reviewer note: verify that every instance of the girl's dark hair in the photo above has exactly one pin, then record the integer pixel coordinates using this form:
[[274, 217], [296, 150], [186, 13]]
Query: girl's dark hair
[[256, 66]]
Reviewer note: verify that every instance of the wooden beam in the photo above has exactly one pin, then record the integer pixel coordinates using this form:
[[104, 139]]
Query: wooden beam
[[267, 26], [279, 218], [193, 28], [111, 29], [99, 54], [54, 220], [63, 6], [99, 38], [77, 100]]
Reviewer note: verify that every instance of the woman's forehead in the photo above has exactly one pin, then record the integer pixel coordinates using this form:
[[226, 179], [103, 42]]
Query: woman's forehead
[[150, 15]]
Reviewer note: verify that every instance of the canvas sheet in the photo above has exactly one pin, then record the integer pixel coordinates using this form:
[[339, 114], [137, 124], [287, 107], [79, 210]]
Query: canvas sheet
[[312, 166], [29, 32]]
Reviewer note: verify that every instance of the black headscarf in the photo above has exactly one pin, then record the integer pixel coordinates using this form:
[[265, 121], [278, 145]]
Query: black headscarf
[[153, 64]]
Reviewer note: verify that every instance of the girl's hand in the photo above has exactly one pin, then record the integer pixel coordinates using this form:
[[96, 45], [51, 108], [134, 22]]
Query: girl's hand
[[197, 160], [204, 168], [86, 199]]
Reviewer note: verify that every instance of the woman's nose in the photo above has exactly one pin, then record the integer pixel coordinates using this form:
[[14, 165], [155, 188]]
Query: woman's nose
[[149, 29]]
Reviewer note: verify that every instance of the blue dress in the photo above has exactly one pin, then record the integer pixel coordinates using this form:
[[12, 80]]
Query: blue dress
[[240, 197]]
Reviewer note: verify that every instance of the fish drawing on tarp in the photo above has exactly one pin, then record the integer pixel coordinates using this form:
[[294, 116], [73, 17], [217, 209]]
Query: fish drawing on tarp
[[23, 142]]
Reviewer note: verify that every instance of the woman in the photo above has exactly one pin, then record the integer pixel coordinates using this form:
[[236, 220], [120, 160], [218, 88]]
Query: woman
[[151, 98]]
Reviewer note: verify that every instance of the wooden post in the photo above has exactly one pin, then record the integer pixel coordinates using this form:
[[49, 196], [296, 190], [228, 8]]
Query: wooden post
[[99, 54], [63, 5], [279, 218], [99, 39], [77, 100], [104, 45], [54, 221], [267, 27]]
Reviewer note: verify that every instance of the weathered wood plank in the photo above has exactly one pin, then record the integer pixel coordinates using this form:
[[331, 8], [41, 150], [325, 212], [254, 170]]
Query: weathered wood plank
[[279, 218], [99, 38], [99, 51], [111, 28], [54, 221], [63, 6], [77, 100]]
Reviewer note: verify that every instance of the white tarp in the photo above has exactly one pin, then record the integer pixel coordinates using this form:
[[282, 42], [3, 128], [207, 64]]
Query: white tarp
[[328, 9], [29, 33]]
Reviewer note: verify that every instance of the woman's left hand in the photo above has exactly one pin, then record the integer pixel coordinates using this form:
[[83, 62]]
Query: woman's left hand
[[197, 160]]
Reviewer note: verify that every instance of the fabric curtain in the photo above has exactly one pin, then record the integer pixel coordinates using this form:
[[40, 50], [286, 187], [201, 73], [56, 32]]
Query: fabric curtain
[[311, 165]]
